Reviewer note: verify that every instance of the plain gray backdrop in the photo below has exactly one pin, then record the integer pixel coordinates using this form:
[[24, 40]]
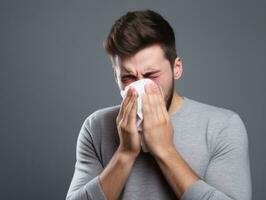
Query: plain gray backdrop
[[55, 73]]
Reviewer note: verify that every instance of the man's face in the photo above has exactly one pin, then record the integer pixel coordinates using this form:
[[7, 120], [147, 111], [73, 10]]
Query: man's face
[[149, 62]]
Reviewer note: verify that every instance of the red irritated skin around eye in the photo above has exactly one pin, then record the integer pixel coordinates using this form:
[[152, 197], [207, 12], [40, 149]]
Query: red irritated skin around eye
[[129, 79]]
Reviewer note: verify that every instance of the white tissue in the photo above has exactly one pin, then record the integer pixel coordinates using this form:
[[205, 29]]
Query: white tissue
[[139, 87]]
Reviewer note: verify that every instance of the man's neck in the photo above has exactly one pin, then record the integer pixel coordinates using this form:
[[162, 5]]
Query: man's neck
[[176, 103]]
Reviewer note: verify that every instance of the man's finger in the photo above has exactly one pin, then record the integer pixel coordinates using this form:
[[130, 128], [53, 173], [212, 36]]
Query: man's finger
[[125, 102], [127, 110], [159, 104], [153, 101], [145, 107], [162, 103], [133, 113]]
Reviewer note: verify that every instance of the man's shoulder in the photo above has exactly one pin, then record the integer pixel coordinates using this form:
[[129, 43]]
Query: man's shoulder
[[217, 118], [106, 111], [103, 116], [211, 111]]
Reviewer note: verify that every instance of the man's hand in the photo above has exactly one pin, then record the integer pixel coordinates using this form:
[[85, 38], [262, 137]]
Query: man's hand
[[157, 127], [115, 174], [126, 125], [158, 136]]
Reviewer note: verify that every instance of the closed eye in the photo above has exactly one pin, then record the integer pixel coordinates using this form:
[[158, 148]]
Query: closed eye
[[130, 78], [153, 76]]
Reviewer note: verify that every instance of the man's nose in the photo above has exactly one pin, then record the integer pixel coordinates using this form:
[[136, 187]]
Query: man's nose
[[140, 77]]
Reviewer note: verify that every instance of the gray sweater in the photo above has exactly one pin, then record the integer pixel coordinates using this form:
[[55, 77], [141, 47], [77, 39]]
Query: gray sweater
[[212, 140]]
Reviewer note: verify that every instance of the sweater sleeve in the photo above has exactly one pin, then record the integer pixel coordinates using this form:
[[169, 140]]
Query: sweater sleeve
[[228, 174], [85, 184]]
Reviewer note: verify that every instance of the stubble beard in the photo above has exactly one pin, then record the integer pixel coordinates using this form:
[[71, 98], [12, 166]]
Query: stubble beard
[[170, 96]]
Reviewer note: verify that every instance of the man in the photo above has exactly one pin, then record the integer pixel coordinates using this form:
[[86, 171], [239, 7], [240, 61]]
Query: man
[[196, 151]]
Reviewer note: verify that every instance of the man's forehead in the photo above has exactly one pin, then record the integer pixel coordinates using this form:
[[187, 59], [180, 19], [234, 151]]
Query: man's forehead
[[117, 63]]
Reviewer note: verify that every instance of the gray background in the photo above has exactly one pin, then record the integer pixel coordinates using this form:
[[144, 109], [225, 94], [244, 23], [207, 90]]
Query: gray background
[[54, 73]]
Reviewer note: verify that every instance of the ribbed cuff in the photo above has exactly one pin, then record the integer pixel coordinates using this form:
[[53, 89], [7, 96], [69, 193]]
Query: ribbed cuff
[[197, 191], [94, 190]]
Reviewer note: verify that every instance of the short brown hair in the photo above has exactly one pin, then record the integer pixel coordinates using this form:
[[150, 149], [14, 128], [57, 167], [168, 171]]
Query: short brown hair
[[138, 29]]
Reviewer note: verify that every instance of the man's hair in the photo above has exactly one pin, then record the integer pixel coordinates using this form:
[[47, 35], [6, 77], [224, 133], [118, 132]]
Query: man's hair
[[139, 29]]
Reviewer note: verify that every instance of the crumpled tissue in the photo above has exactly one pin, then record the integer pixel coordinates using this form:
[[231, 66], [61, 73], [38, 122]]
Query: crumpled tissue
[[139, 87]]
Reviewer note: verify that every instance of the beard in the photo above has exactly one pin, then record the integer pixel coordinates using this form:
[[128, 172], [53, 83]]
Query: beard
[[169, 95]]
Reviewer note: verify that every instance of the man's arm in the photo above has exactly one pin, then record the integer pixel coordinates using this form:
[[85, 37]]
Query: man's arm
[[115, 175], [228, 175], [90, 180]]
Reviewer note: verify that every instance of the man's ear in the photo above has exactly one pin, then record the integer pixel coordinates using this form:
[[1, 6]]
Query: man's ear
[[177, 68]]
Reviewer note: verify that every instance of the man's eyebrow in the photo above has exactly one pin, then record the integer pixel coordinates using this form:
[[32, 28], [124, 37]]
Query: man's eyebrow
[[149, 70], [131, 74], [152, 71]]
